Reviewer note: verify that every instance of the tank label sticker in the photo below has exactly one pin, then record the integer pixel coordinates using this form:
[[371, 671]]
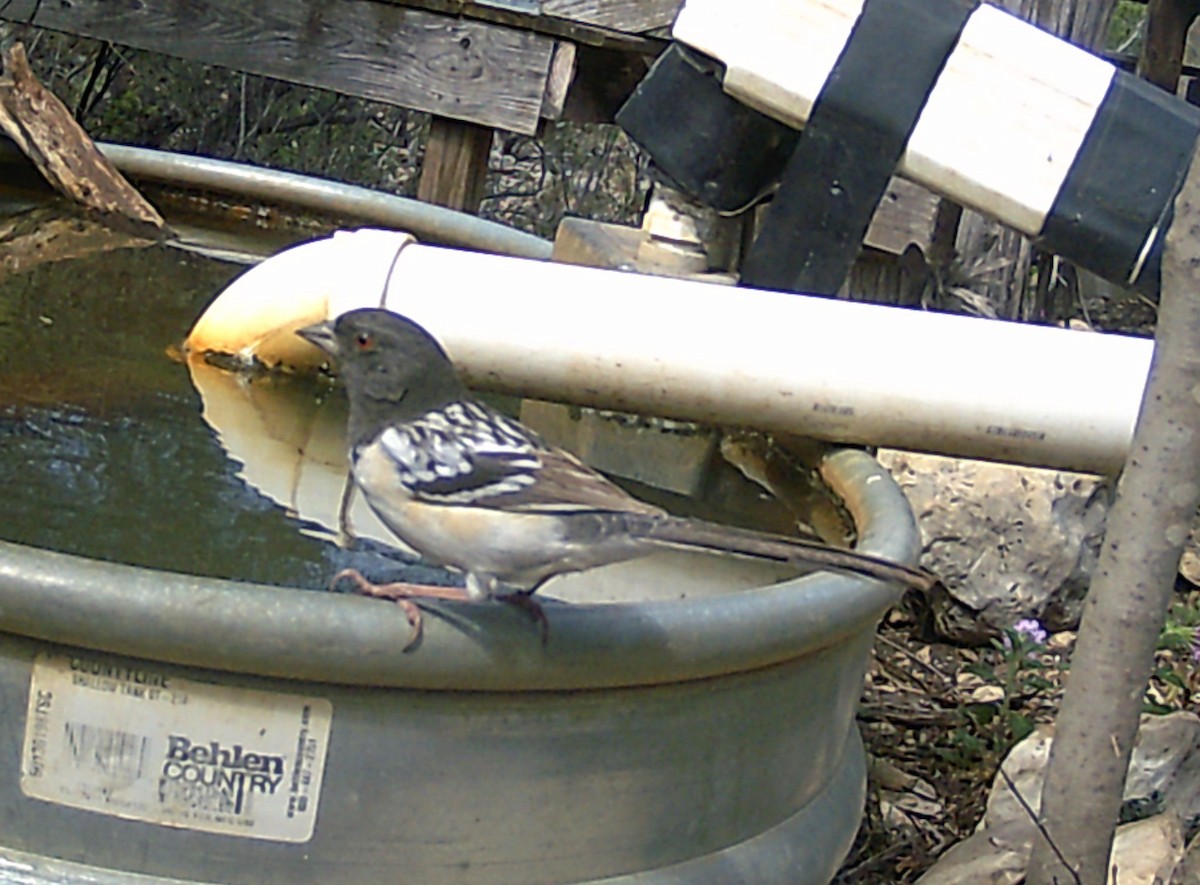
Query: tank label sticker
[[143, 744]]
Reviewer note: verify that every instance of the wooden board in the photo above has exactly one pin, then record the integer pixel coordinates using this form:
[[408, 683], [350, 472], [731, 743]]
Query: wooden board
[[630, 16], [1163, 49], [559, 80], [906, 214], [597, 243], [569, 21], [457, 68], [42, 127]]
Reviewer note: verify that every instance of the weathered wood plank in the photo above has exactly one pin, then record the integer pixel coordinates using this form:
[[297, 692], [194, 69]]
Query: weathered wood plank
[[455, 164], [568, 28], [906, 214], [630, 16], [452, 67], [559, 80]]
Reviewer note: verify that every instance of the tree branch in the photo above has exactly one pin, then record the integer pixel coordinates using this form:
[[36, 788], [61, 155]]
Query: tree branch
[[1127, 604]]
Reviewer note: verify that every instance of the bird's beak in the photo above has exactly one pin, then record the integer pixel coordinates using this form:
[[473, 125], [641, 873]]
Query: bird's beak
[[320, 334]]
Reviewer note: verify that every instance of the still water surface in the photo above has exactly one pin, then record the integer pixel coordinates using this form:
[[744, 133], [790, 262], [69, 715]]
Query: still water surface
[[103, 451]]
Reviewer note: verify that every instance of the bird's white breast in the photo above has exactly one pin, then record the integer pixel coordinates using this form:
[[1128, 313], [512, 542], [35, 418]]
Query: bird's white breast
[[515, 548]]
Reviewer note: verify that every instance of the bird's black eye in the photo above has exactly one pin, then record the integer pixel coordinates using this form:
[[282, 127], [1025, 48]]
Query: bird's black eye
[[364, 341]]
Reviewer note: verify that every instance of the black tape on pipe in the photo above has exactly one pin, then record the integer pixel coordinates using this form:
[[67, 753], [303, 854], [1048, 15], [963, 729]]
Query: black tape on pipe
[[1113, 209], [852, 142], [704, 141]]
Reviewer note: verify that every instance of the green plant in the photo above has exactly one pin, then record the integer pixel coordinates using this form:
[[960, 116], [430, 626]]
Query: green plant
[[989, 729], [1173, 682], [1124, 26]]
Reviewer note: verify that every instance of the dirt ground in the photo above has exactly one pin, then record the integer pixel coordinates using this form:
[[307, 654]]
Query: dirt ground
[[936, 724], [934, 740]]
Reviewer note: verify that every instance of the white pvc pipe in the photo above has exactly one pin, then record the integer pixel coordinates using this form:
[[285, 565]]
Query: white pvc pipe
[[838, 370], [1006, 155]]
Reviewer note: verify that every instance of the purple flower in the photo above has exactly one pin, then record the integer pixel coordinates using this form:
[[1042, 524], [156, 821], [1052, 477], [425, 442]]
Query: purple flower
[[1031, 629], [1196, 645]]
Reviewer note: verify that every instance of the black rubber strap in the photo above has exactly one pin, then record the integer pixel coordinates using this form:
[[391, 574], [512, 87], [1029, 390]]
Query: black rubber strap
[[1112, 212], [854, 137]]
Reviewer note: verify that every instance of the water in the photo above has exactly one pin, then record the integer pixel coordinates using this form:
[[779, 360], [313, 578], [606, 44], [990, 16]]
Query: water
[[108, 450], [103, 451]]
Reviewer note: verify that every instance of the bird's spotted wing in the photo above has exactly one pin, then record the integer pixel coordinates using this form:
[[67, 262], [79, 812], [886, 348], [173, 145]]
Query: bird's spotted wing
[[467, 454], [461, 454]]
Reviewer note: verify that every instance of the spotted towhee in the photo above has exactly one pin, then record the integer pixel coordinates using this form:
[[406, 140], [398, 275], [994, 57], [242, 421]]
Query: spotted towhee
[[468, 488]]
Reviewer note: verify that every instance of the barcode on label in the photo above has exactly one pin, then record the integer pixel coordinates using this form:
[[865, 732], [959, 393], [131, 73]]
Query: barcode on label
[[119, 755]]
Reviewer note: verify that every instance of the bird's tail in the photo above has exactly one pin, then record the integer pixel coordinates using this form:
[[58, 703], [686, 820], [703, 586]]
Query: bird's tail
[[696, 534]]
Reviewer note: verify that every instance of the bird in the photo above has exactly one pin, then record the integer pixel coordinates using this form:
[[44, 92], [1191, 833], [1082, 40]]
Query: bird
[[471, 489]]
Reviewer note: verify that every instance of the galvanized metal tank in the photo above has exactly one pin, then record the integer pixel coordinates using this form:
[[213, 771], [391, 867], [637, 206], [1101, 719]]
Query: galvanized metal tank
[[664, 741], [157, 726]]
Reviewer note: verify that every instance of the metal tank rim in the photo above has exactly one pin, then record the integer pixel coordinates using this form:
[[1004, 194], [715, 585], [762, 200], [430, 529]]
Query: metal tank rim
[[336, 638], [435, 224]]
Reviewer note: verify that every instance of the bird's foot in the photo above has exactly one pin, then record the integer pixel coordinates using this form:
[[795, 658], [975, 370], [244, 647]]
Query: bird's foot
[[523, 599], [402, 594]]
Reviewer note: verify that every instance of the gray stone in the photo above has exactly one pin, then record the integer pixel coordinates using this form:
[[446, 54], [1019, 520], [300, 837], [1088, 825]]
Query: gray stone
[[1164, 773], [1008, 542]]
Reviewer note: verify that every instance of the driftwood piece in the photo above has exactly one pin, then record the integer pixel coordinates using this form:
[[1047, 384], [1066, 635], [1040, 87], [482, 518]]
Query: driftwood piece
[[43, 128], [45, 236]]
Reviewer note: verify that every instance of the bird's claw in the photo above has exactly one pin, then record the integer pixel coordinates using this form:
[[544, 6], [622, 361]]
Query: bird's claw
[[400, 593], [405, 596], [524, 600], [415, 621]]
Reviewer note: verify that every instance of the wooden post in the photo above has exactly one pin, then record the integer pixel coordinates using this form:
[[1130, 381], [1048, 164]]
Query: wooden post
[[1167, 23], [455, 165]]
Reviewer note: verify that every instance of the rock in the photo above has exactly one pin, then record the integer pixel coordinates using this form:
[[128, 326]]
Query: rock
[[979, 859], [1009, 542], [1160, 771], [1188, 871], [1147, 852], [1164, 773], [1165, 765], [1025, 766]]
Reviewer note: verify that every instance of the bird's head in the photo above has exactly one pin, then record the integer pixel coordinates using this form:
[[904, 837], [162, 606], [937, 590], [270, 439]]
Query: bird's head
[[391, 367]]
